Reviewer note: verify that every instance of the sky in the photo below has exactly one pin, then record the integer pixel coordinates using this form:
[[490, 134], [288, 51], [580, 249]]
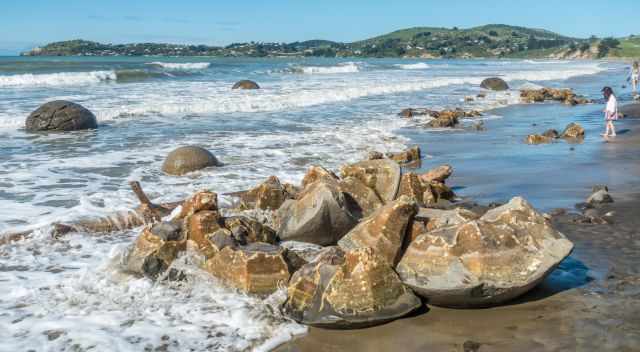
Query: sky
[[28, 23]]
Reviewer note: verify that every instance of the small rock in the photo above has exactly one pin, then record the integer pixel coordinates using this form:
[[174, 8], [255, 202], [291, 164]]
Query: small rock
[[268, 195], [538, 139], [373, 155], [600, 197], [438, 174], [573, 130], [551, 133]]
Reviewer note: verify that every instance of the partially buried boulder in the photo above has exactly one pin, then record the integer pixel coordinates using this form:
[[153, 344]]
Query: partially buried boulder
[[155, 249], [573, 131], [494, 83], [257, 268], [484, 262], [384, 230], [347, 290], [383, 176], [246, 84], [60, 115], [187, 159], [319, 215]]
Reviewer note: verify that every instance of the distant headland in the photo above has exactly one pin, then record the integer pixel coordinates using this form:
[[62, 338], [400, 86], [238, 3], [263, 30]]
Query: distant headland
[[490, 41]]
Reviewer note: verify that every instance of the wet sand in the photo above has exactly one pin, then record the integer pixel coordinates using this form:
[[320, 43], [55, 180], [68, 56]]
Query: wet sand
[[590, 303]]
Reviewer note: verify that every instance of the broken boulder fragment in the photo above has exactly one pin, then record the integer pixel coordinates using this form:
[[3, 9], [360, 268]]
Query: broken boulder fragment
[[320, 215], [484, 262], [347, 290], [384, 230], [383, 176]]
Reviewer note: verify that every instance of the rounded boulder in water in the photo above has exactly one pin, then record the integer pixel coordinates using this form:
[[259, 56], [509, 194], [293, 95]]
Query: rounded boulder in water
[[61, 115], [187, 159], [246, 84], [494, 83]]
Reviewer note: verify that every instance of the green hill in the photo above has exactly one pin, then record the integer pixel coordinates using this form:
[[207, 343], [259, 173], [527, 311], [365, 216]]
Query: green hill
[[486, 41], [490, 41]]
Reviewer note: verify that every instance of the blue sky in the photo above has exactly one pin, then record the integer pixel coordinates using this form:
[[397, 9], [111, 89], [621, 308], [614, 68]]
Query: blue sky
[[25, 23]]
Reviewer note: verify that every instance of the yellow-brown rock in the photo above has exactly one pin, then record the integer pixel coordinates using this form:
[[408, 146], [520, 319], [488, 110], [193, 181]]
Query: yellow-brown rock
[[384, 230], [202, 200], [321, 214], [573, 131], [316, 173], [366, 199], [347, 290], [155, 249], [437, 218], [268, 195], [246, 230], [383, 176], [538, 139], [199, 226], [258, 268], [412, 187], [566, 96], [441, 191], [484, 262], [438, 174], [411, 155]]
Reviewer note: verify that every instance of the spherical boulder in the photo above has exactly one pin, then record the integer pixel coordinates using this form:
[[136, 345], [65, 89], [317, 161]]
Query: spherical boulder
[[60, 115], [187, 159], [246, 84], [494, 83]]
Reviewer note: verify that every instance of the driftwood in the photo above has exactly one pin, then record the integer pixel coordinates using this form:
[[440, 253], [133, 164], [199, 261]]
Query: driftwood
[[145, 213]]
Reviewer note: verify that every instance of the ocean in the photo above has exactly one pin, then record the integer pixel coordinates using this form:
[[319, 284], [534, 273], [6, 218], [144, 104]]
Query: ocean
[[69, 294]]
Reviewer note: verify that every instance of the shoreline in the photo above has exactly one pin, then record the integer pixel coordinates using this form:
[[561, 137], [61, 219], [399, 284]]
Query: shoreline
[[588, 303]]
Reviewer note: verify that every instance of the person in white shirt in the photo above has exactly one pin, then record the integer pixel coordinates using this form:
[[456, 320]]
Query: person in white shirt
[[634, 76], [610, 112]]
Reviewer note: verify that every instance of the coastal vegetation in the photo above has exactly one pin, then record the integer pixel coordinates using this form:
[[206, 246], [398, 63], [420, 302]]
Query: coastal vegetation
[[490, 41]]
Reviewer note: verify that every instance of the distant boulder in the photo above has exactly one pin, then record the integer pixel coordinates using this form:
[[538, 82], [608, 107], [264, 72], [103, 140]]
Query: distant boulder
[[494, 83], [246, 84], [61, 115], [187, 159]]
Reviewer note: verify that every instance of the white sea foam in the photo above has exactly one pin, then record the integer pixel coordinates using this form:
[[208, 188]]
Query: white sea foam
[[347, 67], [73, 295], [416, 66], [182, 66], [57, 79]]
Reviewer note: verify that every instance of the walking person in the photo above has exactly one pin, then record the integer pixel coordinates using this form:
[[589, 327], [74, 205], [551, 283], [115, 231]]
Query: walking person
[[610, 112], [635, 76]]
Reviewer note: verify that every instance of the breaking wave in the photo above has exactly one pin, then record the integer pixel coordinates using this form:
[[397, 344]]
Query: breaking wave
[[181, 66], [58, 79], [347, 67], [416, 66]]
